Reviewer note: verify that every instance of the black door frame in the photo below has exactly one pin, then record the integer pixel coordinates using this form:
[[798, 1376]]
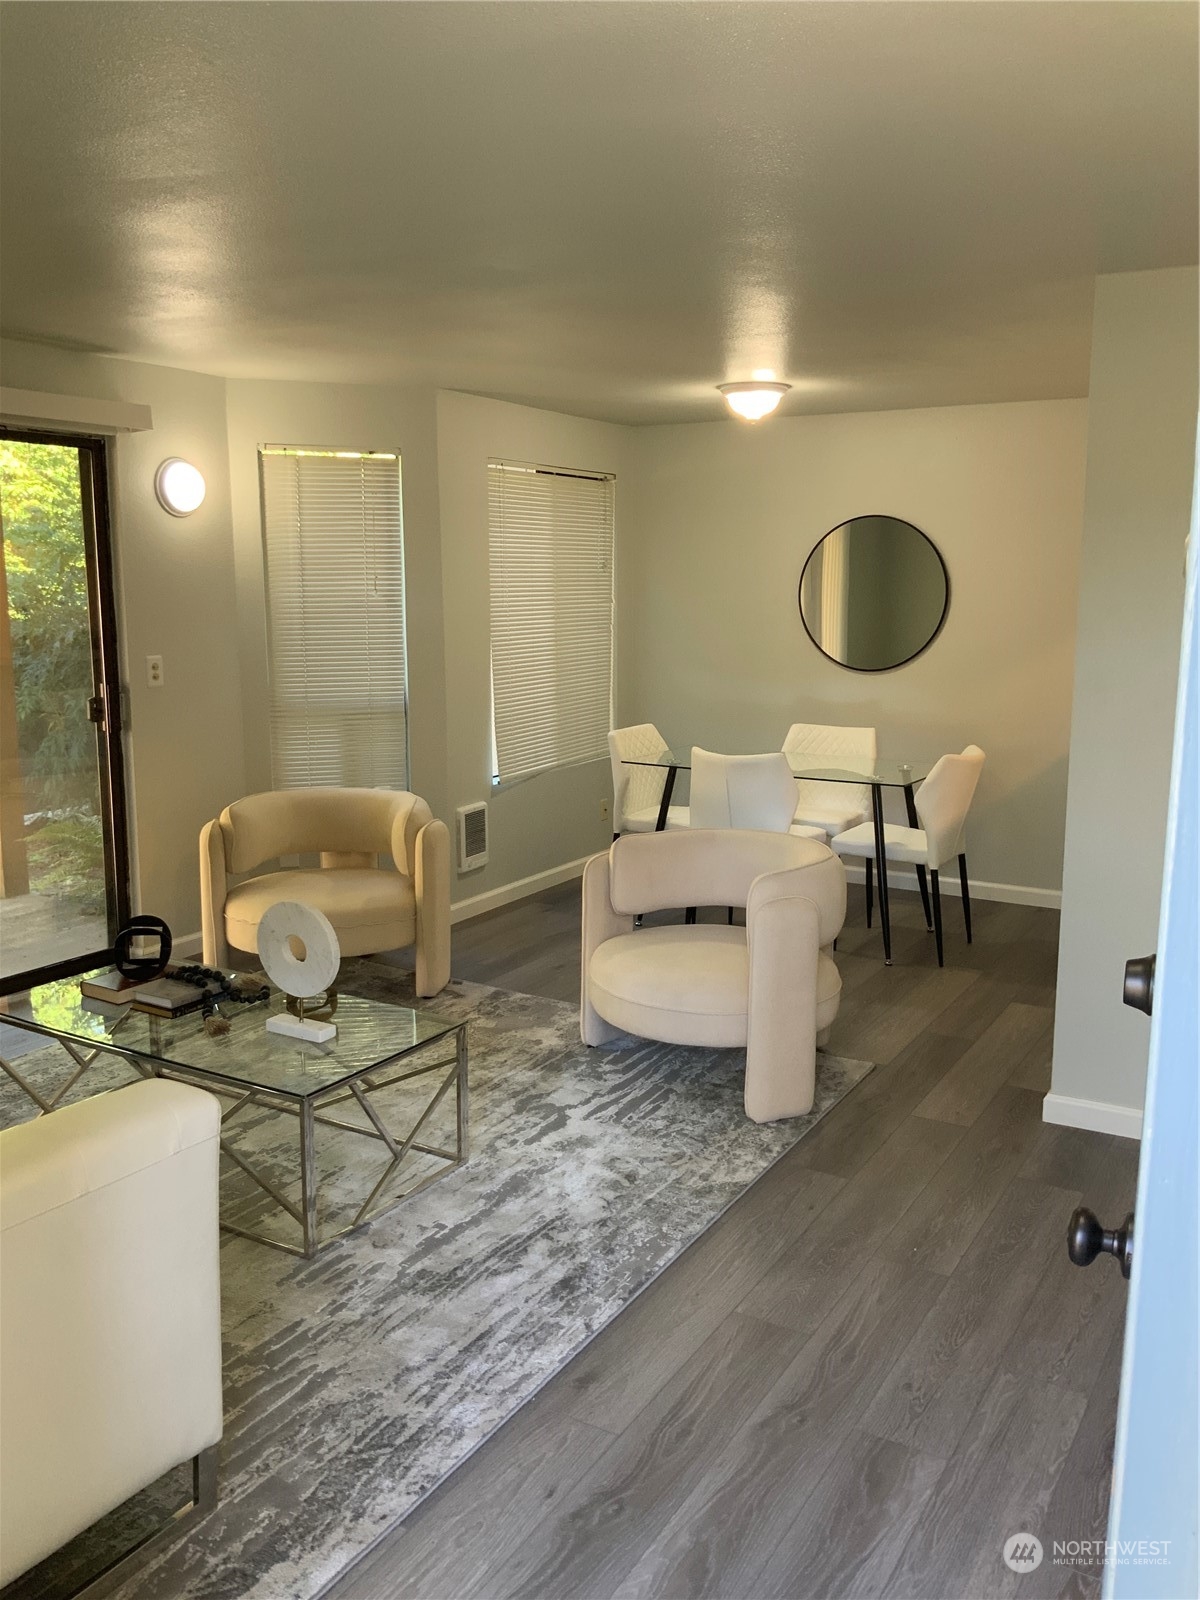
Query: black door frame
[[105, 701]]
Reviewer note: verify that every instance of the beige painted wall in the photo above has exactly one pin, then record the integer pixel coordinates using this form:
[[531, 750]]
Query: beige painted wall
[[718, 521], [714, 524], [349, 417], [1141, 451], [176, 599], [554, 817], [192, 591]]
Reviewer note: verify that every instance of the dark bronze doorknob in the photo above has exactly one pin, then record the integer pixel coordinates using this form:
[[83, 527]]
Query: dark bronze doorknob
[[1139, 984], [1086, 1239]]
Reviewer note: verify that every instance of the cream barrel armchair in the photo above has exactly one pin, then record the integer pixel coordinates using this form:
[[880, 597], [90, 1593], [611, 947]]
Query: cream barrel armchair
[[770, 988], [372, 908]]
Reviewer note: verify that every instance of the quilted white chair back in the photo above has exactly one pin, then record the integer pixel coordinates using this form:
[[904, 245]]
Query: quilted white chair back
[[755, 792], [854, 748], [943, 801], [635, 788]]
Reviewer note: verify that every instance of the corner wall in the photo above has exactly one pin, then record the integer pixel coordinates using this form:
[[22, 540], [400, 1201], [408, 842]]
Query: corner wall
[[1140, 463], [554, 818], [719, 519]]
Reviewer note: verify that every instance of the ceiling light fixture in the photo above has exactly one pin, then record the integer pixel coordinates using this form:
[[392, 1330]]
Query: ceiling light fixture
[[179, 486], [753, 401]]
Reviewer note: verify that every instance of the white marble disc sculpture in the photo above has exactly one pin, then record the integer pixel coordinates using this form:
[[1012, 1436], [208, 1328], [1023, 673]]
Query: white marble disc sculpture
[[301, 976]]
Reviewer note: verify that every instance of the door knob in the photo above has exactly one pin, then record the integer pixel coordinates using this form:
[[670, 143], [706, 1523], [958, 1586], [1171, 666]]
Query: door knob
[[1086, 1239], [1139, 984]]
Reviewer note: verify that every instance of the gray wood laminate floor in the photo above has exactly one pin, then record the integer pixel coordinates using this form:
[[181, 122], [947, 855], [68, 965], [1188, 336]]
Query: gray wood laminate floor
[[871, 1371]]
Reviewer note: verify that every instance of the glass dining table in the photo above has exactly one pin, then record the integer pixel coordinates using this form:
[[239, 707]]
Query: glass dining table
[[878, 776]]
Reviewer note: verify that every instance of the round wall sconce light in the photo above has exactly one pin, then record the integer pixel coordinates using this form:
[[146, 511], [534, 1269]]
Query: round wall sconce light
[[753, 401], [179, 487]]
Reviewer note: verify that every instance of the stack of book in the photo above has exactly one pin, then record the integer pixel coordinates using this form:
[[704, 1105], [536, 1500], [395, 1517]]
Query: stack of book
[[164, 996]]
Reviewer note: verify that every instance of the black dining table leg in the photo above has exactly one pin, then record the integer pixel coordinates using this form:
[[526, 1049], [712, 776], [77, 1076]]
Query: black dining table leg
[[910, 806], [665, 803], [885, 921]]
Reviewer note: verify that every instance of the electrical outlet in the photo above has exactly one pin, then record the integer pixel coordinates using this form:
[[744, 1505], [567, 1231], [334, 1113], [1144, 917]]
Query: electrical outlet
[[605, 809], [154, 672]]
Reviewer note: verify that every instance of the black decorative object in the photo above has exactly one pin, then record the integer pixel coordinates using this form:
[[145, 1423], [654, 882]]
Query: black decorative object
[[874, 593], [221, 988], [141, 968], [237, 986]]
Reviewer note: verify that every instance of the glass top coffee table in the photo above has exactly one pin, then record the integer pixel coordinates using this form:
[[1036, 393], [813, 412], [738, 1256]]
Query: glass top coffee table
[[378, 1047]]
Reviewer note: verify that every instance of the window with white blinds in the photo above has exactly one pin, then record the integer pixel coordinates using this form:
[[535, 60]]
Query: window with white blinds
[[334, 553], [551, 559]]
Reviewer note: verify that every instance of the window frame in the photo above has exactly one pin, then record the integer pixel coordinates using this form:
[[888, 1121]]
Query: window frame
[[499, 782], [343, 453]]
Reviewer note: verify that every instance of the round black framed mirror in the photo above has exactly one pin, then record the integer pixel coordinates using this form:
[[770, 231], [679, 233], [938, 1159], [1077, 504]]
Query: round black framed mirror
[[874, 593]]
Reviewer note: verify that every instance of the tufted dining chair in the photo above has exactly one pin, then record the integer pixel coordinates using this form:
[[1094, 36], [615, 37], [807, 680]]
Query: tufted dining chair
[[746, 792], [942, 802], [832, 806], [638, 790]]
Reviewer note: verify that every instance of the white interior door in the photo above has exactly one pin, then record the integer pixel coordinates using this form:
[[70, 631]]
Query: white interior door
[[1152, 1551]]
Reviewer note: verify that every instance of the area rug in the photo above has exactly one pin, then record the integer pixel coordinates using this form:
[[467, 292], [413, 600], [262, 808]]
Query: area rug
[[355, 1382]]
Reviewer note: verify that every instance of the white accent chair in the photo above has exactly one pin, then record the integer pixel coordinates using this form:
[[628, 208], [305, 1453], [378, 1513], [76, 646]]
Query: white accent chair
[[832, 806], [942, 802], [770, 988], [372, 908], [744, 792], [110, 1346], [755, 792], [638, 790]]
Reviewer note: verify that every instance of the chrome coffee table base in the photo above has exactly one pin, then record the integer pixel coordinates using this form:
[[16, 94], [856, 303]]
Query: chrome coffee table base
[[83, 1059], [311, 1112]]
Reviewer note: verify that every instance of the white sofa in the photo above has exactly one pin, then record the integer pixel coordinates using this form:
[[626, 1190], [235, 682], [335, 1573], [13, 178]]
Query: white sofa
[[110, 1331], [770, 988]]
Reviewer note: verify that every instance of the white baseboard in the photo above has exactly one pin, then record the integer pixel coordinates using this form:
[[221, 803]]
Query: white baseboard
[[1097, 1116], [477, 904], [191, 944], [1015, 894]]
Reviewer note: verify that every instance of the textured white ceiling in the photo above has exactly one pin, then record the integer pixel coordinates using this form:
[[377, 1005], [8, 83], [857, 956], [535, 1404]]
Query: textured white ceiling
[[603, 208]]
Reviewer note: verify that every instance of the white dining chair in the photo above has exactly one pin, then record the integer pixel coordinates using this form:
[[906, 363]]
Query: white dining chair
[[638, 790], [832, 806], [942, 801], [749, 792], [756, 792]]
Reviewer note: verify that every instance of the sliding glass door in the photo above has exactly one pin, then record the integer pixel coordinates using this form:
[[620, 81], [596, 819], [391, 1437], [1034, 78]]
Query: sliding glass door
[[64, 879]]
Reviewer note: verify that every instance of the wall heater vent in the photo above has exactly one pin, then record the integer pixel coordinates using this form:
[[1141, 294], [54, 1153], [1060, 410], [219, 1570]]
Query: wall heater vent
[[472, 836]]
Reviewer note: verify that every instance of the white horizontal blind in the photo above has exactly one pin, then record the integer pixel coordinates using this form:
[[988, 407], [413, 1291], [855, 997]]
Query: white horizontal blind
[[551, 549], [335, 608]]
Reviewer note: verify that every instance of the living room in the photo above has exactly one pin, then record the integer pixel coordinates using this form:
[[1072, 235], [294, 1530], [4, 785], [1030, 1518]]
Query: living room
[[329, 228]]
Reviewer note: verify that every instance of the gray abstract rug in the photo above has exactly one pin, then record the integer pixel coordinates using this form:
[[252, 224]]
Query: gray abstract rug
[[355, 1382]]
